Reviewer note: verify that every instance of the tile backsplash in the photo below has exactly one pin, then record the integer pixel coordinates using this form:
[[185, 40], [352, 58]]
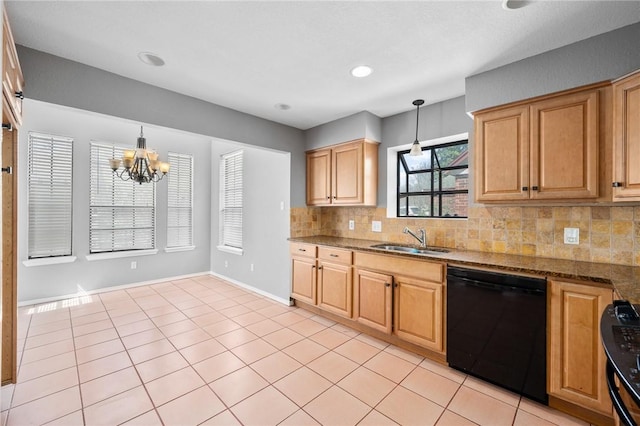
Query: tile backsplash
[[607, 234]]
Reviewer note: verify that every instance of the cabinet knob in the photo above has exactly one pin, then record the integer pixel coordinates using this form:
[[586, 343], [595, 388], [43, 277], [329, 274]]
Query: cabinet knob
[[320, 267], [387, 284], [335, 198], [616, 184], [328, 198], [534, 188], [19, 95], [525, 188]]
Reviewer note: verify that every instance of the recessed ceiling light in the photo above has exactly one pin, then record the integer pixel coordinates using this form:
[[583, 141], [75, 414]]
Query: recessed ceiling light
[[361, 71], [514, 4], [282, 107], [151, 59]]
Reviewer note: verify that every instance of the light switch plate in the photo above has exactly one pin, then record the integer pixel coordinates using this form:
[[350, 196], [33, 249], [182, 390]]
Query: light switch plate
[[352, 225], [376, 226], [571, 235]]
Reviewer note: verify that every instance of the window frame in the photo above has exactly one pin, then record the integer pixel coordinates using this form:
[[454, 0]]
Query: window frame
[[63, 255], [104, 165], [225, 162], [392, 174], [175, 159]]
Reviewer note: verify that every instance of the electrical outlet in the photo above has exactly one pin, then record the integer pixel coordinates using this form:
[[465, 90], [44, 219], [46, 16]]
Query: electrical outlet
[[134, 264], [376, 226], [352, 225], [572, 235], [226, 264]]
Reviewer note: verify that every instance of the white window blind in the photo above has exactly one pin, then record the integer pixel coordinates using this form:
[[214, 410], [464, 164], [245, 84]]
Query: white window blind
[[231, 199], [180, 201], [50, 193], [122, 213]]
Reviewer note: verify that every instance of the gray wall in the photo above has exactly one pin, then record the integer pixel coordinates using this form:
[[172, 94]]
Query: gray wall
[[37, 282], [60, 81], [435, 121], [265, 220], [603, 57], [356, 126]]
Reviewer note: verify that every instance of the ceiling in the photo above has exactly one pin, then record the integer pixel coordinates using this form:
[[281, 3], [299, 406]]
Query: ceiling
[[252, 55]]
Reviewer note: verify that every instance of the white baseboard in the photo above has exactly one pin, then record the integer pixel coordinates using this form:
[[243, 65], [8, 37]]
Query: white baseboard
[[107, 289], [251, 288]]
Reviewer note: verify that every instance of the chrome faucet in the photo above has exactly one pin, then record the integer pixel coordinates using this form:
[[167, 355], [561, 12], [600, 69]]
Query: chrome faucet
[[422, 239]]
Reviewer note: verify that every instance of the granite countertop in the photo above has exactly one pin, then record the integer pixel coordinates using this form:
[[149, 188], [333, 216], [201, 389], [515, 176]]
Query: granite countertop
[[624, 279]]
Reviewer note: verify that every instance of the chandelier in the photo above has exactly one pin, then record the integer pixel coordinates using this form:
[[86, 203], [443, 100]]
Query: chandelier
[[140, 165]]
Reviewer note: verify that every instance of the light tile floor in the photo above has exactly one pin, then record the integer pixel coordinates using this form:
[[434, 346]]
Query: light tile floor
[[203, 351]]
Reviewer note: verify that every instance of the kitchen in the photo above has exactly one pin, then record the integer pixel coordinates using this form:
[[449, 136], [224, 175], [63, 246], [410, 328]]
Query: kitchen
[[528, 230]]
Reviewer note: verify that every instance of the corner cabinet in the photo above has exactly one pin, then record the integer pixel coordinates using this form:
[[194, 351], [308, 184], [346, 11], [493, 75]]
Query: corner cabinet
[[576, 359], [344, 174], [12, 79], [545, 149], [626, 138]]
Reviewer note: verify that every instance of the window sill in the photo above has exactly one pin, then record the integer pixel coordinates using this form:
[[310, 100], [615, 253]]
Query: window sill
[[175, 249], [49, 261], [232, 250], [119, 254]]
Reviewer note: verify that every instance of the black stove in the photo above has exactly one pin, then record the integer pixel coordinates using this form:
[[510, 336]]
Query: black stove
[[620, 330]]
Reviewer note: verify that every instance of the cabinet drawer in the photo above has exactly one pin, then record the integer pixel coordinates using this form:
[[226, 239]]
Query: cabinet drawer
[[301, 249], [335, 255], [423, 269]]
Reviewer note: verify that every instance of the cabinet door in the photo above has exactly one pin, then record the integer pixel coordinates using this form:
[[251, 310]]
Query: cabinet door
[[12, 80], [319, 177], [372, 300], [502, 154], [303, 279], [564, 147], [348, 169], [626, 139], [576, 361], [418, 312], [335, 288]]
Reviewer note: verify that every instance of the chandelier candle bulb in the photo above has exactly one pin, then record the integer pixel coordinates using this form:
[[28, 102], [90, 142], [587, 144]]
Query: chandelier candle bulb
[[164, 168]]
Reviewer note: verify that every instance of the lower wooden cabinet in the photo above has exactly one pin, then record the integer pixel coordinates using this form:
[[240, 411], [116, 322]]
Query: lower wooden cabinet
[[372, 293], [303, 272], [335, 288], [576, 360], [418, 313]]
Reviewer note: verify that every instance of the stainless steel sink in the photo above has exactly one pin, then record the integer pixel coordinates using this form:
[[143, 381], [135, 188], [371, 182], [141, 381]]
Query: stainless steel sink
[[413, 250]]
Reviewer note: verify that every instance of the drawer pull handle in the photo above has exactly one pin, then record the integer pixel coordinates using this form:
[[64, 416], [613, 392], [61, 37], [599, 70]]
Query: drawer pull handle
[[302, 249], [524, 188], [616, 184], [535, 188], [334, 255]]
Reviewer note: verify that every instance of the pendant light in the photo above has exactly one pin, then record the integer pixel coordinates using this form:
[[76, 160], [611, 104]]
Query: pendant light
[[416, 149]]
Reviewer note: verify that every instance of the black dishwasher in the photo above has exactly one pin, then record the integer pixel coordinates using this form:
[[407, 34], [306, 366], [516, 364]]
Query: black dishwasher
[[496, 329]]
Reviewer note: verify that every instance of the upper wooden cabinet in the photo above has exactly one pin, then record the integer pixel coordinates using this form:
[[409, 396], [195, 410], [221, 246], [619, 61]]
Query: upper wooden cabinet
[[545, 149], [12, 79], [626, 138], [344, 174]]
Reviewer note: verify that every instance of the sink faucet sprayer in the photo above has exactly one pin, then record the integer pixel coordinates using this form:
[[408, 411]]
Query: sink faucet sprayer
[[422, 239]]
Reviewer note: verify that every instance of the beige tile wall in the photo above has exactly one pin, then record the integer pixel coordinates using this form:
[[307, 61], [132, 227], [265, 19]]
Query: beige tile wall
[[607, 234]]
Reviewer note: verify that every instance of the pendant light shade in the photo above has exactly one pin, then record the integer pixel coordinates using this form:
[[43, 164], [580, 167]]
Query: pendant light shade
[[416, 149]]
